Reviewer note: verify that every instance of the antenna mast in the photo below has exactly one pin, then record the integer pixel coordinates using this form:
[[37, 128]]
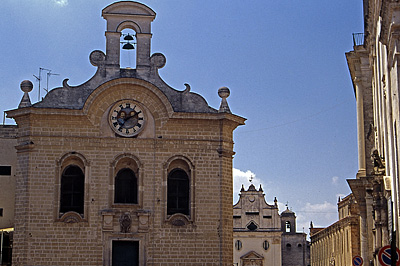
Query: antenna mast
[[39, 79], [48, 76]]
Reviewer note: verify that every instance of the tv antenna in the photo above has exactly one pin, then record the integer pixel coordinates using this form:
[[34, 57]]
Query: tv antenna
[[47, 80], [39, 79]]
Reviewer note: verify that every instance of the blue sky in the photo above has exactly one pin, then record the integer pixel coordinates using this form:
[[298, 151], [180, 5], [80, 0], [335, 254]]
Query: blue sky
[[284, 62]]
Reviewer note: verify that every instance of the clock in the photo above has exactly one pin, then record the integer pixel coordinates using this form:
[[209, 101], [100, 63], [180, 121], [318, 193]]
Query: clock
[[126, 118]]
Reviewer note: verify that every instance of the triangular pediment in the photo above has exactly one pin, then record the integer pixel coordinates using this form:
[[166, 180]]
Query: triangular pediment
[[252, 255]]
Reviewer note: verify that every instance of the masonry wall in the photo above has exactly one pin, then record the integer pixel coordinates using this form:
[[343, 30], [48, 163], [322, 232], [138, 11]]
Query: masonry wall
[[48, 136], [295, 250], [338, 242], [8, 158]]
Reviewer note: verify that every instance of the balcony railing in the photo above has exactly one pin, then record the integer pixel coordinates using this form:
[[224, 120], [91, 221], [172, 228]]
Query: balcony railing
[[358, 39]]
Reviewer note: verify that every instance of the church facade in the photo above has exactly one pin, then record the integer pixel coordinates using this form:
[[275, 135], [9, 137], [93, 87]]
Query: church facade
[[262, 236], [123, 168]]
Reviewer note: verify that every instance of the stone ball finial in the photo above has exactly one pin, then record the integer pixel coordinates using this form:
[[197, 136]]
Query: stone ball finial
[[26, 86], [224, 92]]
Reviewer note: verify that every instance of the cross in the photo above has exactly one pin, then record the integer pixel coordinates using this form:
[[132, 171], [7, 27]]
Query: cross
[[251, 179]]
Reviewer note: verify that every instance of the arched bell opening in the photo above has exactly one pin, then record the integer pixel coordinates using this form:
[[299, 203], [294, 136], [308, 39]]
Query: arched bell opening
[[128, 48]]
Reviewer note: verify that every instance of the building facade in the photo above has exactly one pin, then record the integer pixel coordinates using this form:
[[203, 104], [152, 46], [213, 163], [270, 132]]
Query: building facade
[[338, 243], [374, 71], [295, 247], [8, 163], [123, 168], [262, 237]]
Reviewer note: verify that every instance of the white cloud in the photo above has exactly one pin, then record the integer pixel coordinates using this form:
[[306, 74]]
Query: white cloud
[[243, 178], [61, 3], [321, 214], [335, 180]]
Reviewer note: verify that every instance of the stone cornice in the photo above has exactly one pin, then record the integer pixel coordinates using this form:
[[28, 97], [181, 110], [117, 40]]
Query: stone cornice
[[328, 231]]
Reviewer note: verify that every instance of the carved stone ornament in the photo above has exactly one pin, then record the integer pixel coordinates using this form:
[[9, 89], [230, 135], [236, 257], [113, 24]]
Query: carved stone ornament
[[178, 220], [107, 222], [252, 259], [71, 217], [143, 221], [125, 222]]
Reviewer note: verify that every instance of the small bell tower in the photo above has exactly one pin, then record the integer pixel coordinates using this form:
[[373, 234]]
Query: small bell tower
[[288, 221], [134, 16]]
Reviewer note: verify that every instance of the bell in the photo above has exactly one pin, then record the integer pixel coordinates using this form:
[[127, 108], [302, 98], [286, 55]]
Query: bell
[[128, 46], [128, 37]]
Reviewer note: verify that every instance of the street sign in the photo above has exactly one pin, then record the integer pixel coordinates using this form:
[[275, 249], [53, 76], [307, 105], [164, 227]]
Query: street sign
[[357, 261], [384, 256]]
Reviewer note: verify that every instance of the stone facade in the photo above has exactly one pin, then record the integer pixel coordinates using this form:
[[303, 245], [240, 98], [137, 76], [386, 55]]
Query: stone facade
[[76, 153], [374, 71], [295, 247], [338, 243], [263, 237], [8, 163]]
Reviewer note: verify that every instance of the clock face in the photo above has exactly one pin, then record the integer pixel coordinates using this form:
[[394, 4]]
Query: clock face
[[126, 118]]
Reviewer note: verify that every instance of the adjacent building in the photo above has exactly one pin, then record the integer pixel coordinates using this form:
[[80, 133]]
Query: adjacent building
[[374, 71], [338, 243], [8, 163], [295, 247], [262, 237], [123, 167]]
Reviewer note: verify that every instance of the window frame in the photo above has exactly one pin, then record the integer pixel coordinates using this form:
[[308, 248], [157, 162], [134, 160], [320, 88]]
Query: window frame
[[178, 190], [68, 159], [122, 183], [175, 163], [120, 162], [74, 193]]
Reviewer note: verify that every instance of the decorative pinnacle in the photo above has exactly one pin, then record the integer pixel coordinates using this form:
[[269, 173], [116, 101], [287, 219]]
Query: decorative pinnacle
[[26, 86], [224, 93]]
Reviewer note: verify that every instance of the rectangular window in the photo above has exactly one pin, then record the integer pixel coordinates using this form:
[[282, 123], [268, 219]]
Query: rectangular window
[[267, 216], [237, 216], [1, 212], [252, 213], [5, 170]]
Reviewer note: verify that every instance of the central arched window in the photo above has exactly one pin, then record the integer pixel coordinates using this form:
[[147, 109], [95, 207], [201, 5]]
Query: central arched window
[[178, 192], [288, 227], [128, 49], [72, 190], [125, 187]]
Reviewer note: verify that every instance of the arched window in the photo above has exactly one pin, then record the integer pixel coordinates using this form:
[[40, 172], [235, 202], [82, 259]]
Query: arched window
[[128, 49], [72, 192], [125, 187], [178, 192], [288, 227]]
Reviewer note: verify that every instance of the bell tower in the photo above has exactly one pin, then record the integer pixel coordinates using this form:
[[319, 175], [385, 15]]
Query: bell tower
[[288, 222], [128, 15]]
